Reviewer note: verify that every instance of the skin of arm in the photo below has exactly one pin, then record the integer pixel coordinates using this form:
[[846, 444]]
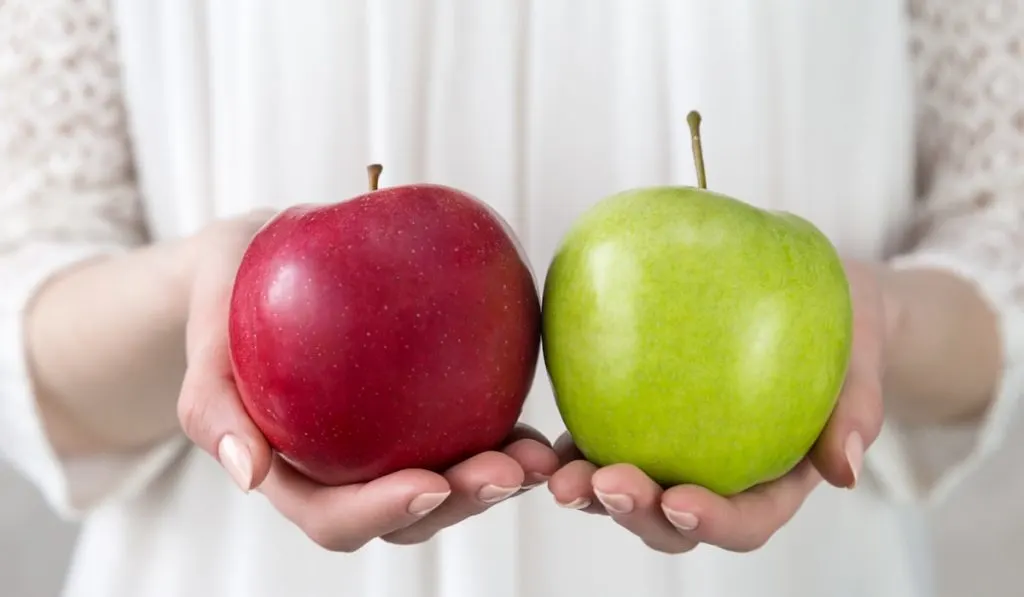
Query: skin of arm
[[943, 356], [105, 346]]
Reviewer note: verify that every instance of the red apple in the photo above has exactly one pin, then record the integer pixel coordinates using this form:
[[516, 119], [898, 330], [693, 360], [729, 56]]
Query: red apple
[[397, 329]]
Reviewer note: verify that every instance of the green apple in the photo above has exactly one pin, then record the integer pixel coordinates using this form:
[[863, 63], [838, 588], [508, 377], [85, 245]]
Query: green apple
[[696, 336]]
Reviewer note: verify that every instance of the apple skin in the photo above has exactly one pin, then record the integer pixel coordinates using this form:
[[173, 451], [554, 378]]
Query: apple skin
[[398, 329], [700, 338]]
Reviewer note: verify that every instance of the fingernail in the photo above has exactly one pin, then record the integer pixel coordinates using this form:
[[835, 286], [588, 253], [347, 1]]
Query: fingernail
[[684, 521], [534, 479], [234, 456], [492, 494], [425, 503], [576, 504], [616, 503], [854, 449]]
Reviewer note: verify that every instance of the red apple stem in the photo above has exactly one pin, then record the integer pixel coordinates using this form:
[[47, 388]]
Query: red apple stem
[[373, 172], [693, 119]]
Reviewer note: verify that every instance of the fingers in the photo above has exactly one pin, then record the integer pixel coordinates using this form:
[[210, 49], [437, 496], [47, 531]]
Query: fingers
[[405, 507], [485, 480], [633, 500], [855, 423], [212, 416], [477, 484], [209, 408], [524, 431], [346, 518], [534, 455], [678, 519], [409, 506], [572, 487], [744, 522], [566, 449], [571, 484]]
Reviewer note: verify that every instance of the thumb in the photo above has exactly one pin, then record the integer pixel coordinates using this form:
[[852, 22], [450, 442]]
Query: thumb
[[857, 418], [855, 423], [209, 407], [212, 416]]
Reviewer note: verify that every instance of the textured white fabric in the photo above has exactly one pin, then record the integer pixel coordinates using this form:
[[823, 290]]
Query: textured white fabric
[[67, 193], [541, 109], [968, 58]]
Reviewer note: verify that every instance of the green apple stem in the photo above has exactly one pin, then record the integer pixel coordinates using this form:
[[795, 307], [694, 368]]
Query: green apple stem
[[693, 119], [373, 172]]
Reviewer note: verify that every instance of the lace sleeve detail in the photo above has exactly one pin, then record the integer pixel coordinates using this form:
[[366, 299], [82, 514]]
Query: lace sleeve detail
[[67, 193], [65, 160], [970, 64], [969, 59]]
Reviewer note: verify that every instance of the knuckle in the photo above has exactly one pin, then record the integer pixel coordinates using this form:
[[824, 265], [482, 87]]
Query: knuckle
[[191, 413]]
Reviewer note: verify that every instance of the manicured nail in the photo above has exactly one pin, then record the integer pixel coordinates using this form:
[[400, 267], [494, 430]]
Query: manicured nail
[[616, 503], [425, 503], [684, 521], [854, 449], [234, 456], [534, 479], [492, 494], [577, 504]]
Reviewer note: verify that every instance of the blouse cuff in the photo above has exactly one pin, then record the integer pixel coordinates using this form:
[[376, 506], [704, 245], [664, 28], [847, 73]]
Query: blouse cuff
[[70, 486], [899, 453]]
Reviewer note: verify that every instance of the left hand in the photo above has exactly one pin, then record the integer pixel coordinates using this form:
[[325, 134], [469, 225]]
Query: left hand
[[678, 519]]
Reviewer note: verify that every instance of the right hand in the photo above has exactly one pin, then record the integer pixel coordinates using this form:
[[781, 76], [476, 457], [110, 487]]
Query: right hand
[[405, 507]]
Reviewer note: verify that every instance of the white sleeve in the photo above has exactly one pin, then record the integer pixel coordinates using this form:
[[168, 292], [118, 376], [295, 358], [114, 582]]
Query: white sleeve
[[67, 193], [971, 222]]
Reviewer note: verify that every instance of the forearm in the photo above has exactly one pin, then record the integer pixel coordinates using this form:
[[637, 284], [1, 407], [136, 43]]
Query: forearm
[[943, 354], [105, 346]]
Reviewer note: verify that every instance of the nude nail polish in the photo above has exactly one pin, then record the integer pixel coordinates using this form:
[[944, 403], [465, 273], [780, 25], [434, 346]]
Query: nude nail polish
[[234, 456], [492, 494], [854, 450], [684, 521], [615, 503], [577, 504], [425, 503]]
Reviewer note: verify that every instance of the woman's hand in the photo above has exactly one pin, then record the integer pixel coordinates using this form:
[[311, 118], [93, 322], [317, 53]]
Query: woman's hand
[[677, 519], [408, 506]]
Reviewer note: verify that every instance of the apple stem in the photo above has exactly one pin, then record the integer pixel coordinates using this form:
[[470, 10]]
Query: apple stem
[[693, 119], [373, 171]]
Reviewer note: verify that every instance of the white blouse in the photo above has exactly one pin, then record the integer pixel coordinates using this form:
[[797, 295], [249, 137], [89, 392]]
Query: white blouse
[[143, 120]]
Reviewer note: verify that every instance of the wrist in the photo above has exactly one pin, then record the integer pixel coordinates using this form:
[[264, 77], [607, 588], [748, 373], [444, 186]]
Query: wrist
[[895, 313], [173, 265], [879, 310], [183, 267]]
